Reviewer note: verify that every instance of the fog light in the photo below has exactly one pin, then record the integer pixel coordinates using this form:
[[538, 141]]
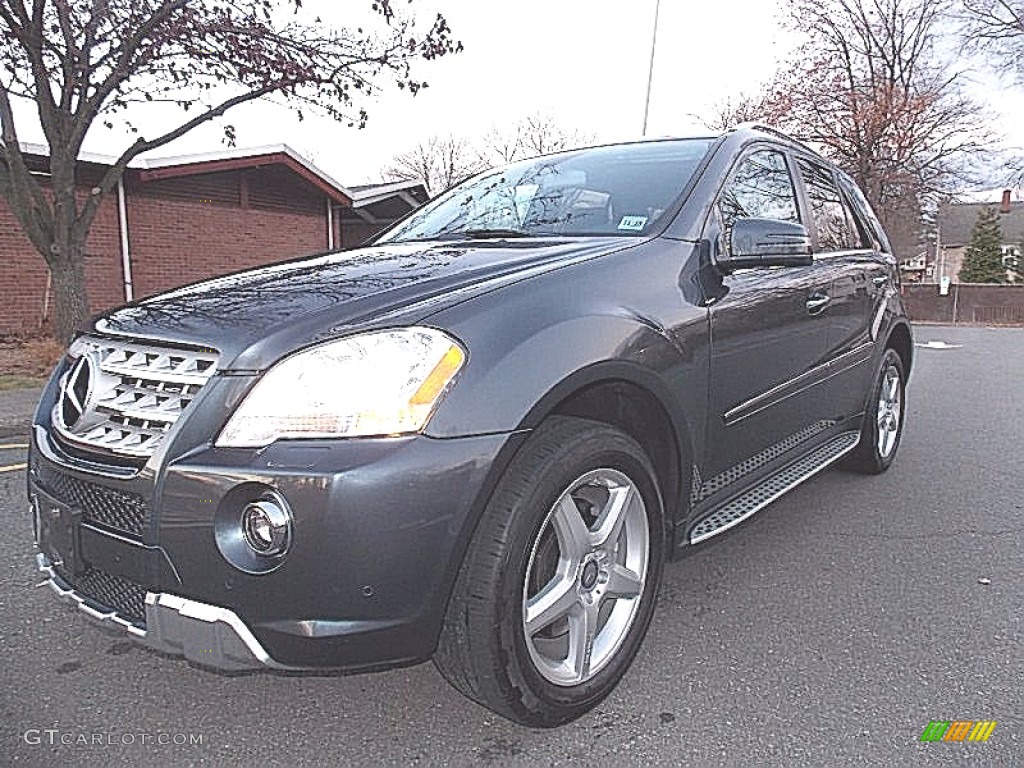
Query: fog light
[[267, 527]]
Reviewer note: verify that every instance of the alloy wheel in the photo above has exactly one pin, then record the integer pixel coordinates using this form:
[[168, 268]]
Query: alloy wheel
[[585, 577], [890, 404]]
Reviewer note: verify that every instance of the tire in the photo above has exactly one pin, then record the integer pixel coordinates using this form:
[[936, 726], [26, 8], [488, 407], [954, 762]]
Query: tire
[[545, 542], [883, 418]]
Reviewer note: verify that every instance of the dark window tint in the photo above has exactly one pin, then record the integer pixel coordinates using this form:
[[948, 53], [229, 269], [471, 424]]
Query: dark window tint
[[835, 232], [876, 237], [760, 188]]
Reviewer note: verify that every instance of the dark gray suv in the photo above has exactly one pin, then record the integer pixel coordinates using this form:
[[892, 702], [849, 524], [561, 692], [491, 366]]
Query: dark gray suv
[[478, 438]]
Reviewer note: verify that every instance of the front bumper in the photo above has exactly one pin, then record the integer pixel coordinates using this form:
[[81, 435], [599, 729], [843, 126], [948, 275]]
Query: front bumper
[[204, 634], [380, 528]]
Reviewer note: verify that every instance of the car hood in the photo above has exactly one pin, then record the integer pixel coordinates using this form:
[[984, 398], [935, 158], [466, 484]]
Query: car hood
[[254, 317]]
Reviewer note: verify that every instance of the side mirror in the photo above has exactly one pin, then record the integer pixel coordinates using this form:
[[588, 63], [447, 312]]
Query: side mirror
[[765, 243]]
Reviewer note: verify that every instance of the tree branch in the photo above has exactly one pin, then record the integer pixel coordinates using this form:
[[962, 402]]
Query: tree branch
[[21, 188], [116, 171], [89, 107]]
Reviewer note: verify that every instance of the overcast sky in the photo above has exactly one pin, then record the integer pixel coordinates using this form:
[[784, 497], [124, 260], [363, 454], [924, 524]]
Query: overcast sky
[[584, 62]]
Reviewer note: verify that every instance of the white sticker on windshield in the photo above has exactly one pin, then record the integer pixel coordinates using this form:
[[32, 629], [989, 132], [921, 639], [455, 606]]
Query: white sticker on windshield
[[633, 223]]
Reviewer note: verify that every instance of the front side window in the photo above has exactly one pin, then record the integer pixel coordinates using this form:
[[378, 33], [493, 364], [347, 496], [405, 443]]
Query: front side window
[[615, 190], [760, 188], [835, 233]]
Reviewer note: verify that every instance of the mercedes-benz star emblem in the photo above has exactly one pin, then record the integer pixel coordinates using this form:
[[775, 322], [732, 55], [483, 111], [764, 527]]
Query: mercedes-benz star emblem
[[77, 388]]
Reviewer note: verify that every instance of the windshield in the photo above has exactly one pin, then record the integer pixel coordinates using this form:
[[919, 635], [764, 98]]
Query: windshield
[[616, 190]]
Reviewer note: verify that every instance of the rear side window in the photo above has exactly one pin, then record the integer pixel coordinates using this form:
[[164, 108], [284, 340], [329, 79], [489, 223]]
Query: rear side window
[[835, 230], [873, 230]]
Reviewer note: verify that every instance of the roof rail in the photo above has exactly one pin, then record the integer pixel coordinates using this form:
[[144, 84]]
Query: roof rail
[[758, 126], [764, 128]]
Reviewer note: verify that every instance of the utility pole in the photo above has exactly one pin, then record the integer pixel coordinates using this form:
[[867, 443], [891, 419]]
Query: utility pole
[[650, 70]]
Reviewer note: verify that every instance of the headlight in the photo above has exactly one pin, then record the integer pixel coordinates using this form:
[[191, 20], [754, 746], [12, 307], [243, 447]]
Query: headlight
[[378, 383]]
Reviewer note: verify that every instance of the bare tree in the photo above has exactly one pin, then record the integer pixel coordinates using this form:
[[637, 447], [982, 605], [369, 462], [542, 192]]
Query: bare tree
[[537, 134], [766, 106], [499, 146], [541, 134], [83, 61], [869, 89], [440, 162], [996, 27]]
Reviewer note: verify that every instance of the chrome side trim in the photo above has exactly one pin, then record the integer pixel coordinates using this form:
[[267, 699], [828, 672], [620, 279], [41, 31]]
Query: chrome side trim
[[817, 375], [876, 324]]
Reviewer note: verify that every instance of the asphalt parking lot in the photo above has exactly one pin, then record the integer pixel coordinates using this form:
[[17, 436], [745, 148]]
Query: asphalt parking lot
[[827, 630]]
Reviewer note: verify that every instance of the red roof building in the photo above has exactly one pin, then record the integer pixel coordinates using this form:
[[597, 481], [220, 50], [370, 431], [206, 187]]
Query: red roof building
[[177, 220]]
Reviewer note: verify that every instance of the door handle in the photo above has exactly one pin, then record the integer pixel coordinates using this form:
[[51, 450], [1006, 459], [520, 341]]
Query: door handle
[[817, 302]]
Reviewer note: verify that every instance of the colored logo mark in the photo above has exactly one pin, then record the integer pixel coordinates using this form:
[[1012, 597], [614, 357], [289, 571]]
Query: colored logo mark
[[958, 730]]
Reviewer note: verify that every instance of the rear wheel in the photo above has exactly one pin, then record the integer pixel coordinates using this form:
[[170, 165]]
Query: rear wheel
[[883, 419], [559, 583]]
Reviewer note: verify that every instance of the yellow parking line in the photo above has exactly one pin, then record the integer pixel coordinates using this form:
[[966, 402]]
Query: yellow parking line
[[13, 445], [12, 468]]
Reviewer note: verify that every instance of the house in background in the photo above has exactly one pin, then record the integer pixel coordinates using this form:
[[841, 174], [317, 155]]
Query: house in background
[[377, 206], [916, 269], [177, 220], [957, 220]]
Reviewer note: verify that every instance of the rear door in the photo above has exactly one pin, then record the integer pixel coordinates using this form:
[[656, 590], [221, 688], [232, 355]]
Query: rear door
[[883, 275], [846, 250]]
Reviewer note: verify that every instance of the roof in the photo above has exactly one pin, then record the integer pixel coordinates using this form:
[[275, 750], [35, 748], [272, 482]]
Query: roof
[[956, 220], [384, 203], [414, 192], [154, 168], [357, 188]]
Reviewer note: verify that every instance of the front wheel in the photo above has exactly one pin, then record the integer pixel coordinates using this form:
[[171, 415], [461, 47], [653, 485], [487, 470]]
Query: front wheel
[[558, 586], [883, 418]]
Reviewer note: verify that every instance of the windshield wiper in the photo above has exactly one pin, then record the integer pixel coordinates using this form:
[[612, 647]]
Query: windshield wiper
[[476, 234], [483, 234]]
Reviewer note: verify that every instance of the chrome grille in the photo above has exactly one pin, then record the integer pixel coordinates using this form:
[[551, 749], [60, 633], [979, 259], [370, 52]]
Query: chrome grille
[[124, 396]]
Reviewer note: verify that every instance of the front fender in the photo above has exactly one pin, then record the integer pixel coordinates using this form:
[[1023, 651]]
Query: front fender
[[514, 380]]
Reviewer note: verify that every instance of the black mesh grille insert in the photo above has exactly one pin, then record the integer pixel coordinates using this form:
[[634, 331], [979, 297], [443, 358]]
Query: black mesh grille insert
[[121, 510], [116, 593]]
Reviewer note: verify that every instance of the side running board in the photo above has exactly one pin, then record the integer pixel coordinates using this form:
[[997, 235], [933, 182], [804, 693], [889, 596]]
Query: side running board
[[760, 496]]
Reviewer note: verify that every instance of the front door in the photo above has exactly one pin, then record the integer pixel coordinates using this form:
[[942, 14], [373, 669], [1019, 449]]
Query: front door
[[769, 334]]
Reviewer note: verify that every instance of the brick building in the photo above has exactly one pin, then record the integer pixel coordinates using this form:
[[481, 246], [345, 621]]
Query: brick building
[[178, 220]]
